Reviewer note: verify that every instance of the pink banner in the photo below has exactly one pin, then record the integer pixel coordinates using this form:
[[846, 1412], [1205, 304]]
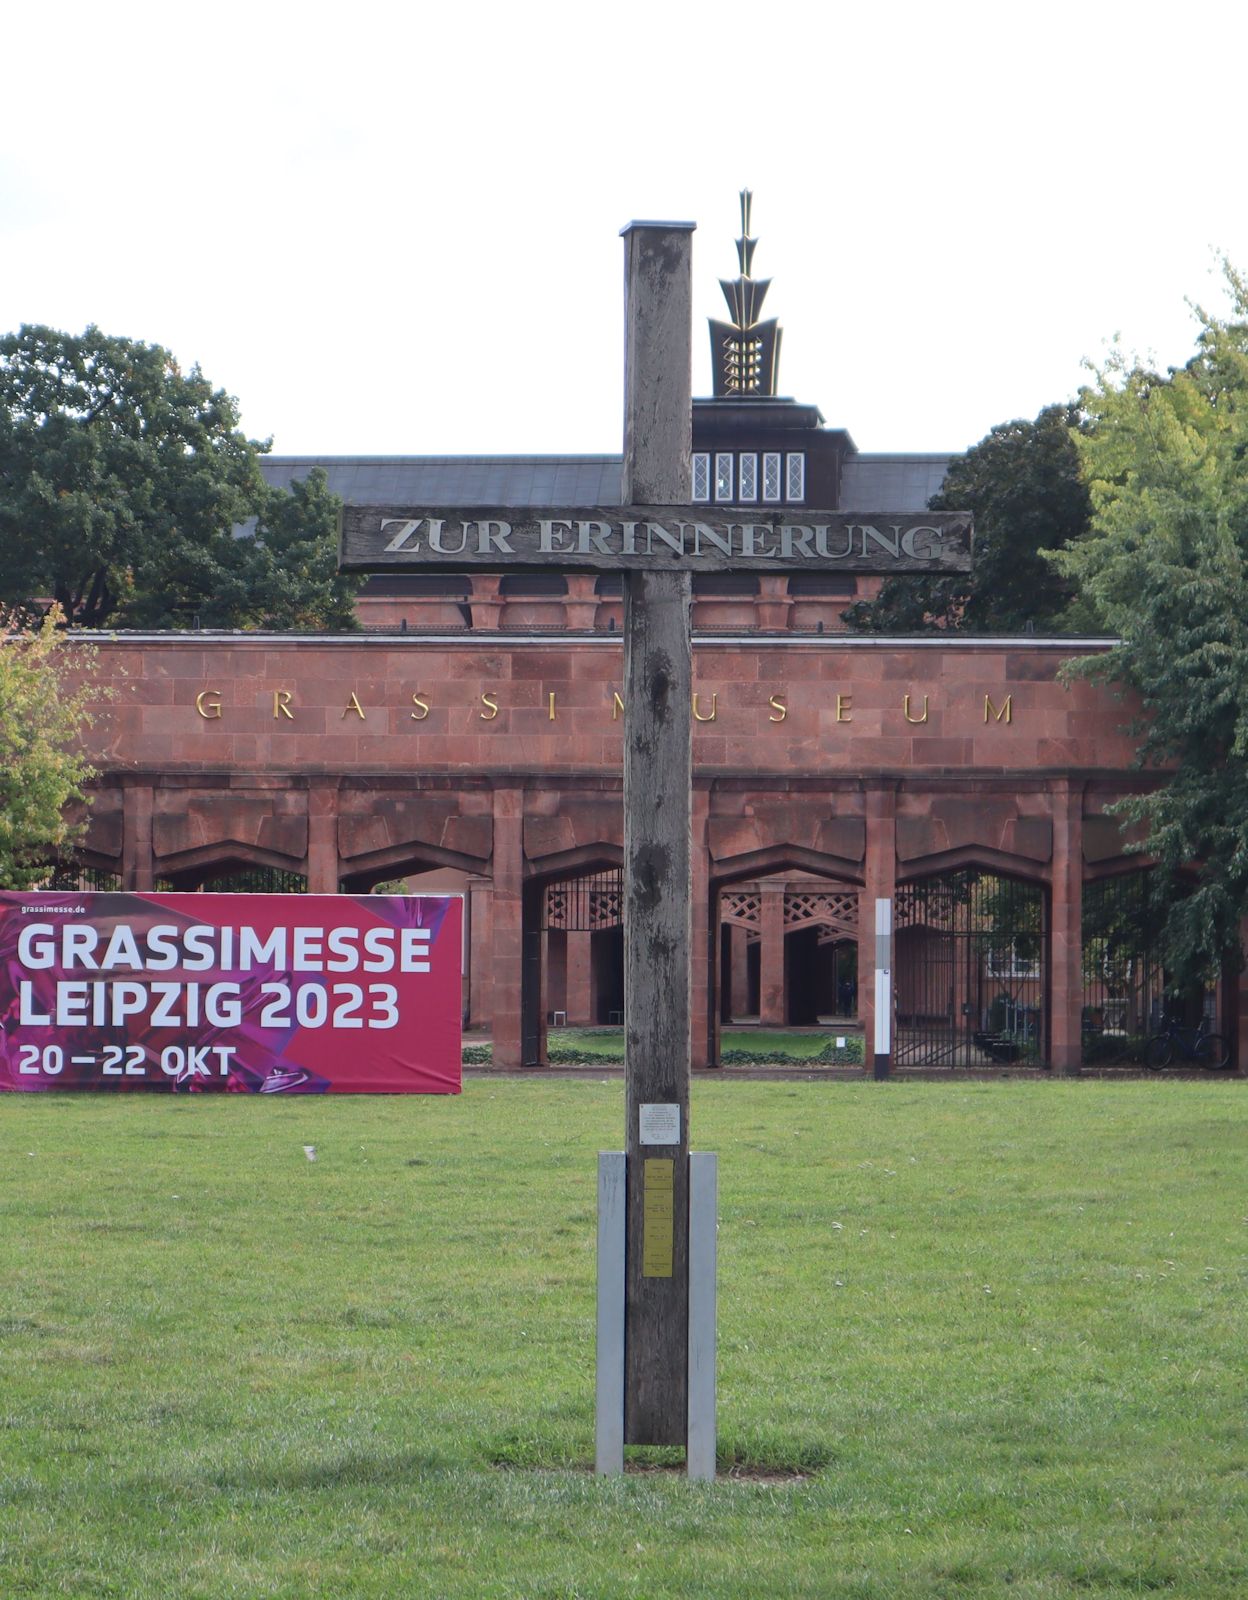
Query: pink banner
[[253, 993]]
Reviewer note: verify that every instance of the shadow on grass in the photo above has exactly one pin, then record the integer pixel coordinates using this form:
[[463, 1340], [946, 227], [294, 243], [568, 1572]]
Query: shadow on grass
[[739, 1458], [345, 1469]]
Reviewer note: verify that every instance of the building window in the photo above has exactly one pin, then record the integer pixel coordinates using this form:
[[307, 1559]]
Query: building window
[[723, 475], [795, 466], [771, 475], [747, 477], [701, 476]]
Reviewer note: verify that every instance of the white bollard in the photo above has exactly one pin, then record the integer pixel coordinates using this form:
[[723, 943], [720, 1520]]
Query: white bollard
[[609, 1408], [703, 1223]]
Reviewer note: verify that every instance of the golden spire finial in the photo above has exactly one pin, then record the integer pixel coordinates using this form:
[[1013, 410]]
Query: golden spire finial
[[745, 353]]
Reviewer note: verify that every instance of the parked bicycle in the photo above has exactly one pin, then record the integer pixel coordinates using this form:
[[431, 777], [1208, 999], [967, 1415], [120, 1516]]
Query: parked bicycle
[[1173, 1043]]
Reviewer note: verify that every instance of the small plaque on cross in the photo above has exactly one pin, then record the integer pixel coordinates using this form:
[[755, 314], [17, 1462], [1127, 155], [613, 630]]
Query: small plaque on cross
[[660, 1124]]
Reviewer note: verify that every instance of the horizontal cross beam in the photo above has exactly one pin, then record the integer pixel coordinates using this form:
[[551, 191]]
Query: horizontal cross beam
[[651, 538]]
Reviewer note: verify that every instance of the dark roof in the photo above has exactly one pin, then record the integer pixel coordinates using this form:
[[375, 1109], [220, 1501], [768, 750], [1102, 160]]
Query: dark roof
[[459, 480], [869, 483], [891, 482]]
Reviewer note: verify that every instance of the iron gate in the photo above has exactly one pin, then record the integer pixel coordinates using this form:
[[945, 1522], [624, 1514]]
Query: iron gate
[[69, 876], [969, 971], [255, 880], [1123, 980], [232, 880], [584, 905], [1126, 998]]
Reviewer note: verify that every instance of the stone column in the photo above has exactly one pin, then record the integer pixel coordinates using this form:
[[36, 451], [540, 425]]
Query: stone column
[[138, 858], [1066, 930], [322, 861], [544, 1003], [774, 603], [580, 984], [581, 604], [508, 930], [739, 966], [771, 995], [879, 883], [486, 603], [480, 953]]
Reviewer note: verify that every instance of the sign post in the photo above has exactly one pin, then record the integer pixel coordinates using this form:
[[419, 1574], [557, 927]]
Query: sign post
[[883, 988]]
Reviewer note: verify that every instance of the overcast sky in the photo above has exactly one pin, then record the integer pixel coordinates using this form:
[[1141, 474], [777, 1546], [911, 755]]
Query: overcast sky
[[396, 230]]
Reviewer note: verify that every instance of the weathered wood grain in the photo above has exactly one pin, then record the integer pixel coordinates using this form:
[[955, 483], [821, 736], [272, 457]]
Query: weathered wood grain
[[658, 678], [658, 536], [657, 889]]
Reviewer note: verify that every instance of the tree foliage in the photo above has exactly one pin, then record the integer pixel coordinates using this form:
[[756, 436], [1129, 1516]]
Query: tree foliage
[[43, 706], [122, 483], [1022, 483], [1166, 568]]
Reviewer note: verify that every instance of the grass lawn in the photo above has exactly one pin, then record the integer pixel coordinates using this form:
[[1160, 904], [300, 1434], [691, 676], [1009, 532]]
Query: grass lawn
[[976, 1339], [769, 1045]]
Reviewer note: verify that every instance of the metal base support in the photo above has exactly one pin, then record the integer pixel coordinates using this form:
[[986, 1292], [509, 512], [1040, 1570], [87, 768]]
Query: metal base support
[[700, 1434], [703, 1224], [609, 1408]]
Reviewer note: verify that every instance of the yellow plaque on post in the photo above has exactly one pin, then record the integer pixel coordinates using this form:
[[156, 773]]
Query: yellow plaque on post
[[658, 1218]]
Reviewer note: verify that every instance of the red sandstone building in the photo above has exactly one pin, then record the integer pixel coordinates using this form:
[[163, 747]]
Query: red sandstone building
[[828, 771], [470, 739], [473, 742]]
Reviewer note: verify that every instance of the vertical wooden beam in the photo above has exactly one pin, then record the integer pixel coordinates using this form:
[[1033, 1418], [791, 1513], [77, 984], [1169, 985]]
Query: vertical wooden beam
[[658, 773]]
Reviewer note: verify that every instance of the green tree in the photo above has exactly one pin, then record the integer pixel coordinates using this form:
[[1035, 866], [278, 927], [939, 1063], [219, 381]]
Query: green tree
[[1022, 483], [43, 706], [282, 574], [1166, 568], [123, 481]]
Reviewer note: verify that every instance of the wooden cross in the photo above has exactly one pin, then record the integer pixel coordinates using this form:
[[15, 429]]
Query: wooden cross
[[657, 540]]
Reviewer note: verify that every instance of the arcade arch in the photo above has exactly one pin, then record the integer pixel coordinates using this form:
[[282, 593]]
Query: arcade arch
[[573, 961], [816, 977], [785, 926]]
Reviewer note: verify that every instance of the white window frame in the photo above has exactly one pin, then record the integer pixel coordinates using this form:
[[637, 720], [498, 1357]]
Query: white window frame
[[795, 475], [747, 477], [723, 475], [772, 465], [701, 476]]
